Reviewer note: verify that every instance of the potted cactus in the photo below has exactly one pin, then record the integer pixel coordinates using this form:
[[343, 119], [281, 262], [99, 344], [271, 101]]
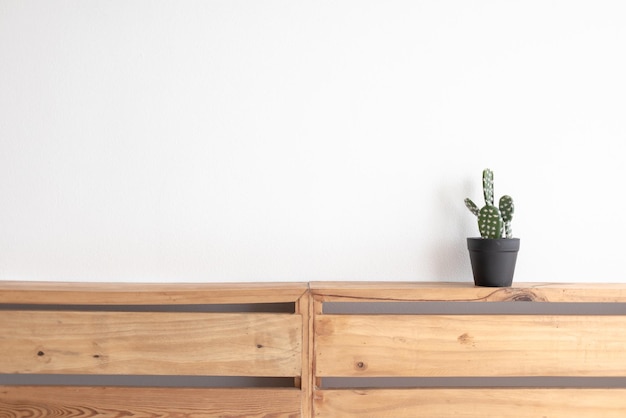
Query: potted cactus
[[494, 254]]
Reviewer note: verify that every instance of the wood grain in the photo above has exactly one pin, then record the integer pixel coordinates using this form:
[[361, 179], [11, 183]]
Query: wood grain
[[84, 402], [471, 403], [470, 345], [137, 343], [12, 292], [306, 381], [308, 346], [467, 292]]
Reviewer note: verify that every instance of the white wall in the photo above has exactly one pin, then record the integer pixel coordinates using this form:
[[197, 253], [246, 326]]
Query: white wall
[[247, 140]]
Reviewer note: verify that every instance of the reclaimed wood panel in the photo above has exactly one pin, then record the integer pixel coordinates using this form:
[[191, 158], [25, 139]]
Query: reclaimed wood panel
[[306, 381], [115, 402], [471, 403], [137, 343], [63, 293], [470, 345], [467, 292]]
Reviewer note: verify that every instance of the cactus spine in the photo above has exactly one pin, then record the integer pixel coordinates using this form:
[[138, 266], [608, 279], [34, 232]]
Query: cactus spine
[[493, 222]]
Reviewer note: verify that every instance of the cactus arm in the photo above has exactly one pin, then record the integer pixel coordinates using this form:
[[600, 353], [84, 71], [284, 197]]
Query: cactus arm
[[507, 208], [471, 206], [488, 186], [490, 222]]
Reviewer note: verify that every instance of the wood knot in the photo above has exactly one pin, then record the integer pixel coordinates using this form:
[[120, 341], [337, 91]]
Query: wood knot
[[517, 295], [466, 339], [360, 365], [41, 353], [523, 297]]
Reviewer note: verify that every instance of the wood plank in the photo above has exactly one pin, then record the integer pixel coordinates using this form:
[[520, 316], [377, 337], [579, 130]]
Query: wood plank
[[13, 292], [470, 345], [306, 381], [467, 292], [471, 403], [246, 344], [48, 401]]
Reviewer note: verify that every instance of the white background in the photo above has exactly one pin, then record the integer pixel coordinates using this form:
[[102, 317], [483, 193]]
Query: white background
[[255, 140]]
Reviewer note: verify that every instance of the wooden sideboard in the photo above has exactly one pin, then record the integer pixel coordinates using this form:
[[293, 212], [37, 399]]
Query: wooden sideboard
[[323, 349]]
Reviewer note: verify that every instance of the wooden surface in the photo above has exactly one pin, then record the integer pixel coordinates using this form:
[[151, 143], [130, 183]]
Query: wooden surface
[[306, 381], [309, 346], [12, 292], [467, 292], [470, 345], [471, 403], [86, 402], [223, 344]]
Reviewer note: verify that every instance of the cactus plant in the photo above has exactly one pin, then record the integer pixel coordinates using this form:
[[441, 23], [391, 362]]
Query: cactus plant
[[493, 222]]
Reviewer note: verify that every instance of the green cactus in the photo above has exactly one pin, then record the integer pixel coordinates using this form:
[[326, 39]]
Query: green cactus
[[490, 222], [488, 186], [472, 206], [493, 222], [506, 210]]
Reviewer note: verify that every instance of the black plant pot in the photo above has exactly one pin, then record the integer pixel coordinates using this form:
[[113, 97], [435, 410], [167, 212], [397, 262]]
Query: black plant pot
[[493, 260]]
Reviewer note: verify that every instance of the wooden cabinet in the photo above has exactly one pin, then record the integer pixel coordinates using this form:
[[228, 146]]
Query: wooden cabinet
[[323, 349]]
